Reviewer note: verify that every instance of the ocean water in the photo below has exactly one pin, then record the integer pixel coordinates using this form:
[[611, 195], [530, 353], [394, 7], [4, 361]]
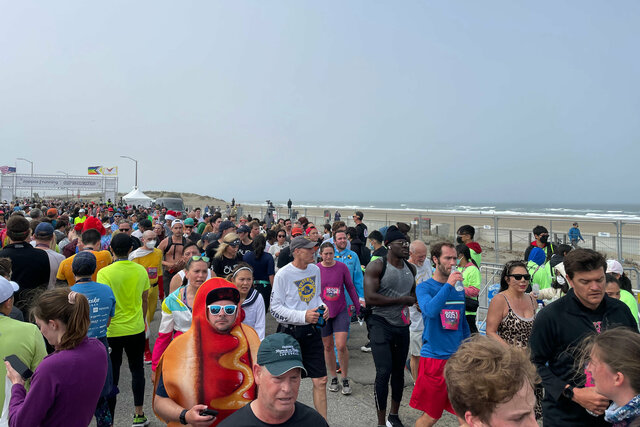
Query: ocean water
[[611, 211]]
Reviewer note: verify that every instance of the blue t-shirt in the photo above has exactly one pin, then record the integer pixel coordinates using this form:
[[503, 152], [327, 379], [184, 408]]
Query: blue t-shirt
[[445, 324], [262, 268], [102, 306]]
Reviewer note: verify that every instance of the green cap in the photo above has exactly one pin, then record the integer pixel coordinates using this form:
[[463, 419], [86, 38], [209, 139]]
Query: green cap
[[280, 353], [189, 221]]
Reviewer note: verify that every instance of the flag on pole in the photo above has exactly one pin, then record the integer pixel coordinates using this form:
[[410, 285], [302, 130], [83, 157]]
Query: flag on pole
[[7, 169], [109, 171], [94, 170]]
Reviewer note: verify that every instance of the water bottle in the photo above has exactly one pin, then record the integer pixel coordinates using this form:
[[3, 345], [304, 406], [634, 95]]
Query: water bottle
[[459, 285], [321, 321], [539, 307], [535, 290]]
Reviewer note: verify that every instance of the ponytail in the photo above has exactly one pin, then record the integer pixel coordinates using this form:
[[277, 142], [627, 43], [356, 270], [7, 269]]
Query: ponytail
[[68, 307]]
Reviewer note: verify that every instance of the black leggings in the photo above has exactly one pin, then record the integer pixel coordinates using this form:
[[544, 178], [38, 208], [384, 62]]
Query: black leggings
[[264, 288], [389, 347], [134, 346], [471, 320]]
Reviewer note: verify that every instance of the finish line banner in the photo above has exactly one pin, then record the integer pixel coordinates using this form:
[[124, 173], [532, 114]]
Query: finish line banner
[[102, 170], [66, 182]]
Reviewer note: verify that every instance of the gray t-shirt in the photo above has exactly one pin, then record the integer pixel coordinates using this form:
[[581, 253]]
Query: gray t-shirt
[[396, 282]]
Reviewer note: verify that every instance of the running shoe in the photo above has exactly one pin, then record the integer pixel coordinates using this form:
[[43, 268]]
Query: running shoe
[[140, 421], [394, 421], [346, 388], [147, 357], [366, 348], [334, 386]]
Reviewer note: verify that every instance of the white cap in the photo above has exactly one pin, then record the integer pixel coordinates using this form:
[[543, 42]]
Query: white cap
[[176, 222], [614, 266], [7, 289]]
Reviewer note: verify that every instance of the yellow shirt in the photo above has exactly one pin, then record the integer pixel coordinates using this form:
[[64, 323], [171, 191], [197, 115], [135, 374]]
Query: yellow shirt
[[79, 219], [103, 258], [153, 264], [128, 281]]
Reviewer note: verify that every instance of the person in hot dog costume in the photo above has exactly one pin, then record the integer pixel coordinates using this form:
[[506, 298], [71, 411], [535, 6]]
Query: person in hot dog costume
[[210, 365]]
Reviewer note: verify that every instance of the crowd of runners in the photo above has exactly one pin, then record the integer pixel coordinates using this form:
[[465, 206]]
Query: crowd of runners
[[561, 344]]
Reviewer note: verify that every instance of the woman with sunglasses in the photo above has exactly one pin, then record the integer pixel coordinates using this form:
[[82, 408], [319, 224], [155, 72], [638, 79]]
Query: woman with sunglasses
[[280, 244], [190, 250], [227, 256], [251, 300], [176, 307], [511, 312]]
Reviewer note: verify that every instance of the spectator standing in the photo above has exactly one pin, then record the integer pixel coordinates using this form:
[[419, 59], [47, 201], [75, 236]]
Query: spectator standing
[[574, 235]]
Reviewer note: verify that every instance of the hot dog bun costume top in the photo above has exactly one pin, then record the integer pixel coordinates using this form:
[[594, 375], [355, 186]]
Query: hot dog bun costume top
[[203, 366]]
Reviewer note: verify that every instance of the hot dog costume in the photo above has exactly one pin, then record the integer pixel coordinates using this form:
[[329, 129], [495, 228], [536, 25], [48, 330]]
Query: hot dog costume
[[203, 366]]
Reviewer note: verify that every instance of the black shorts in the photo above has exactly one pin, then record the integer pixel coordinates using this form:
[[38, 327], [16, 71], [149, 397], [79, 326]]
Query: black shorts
[[310, 340]]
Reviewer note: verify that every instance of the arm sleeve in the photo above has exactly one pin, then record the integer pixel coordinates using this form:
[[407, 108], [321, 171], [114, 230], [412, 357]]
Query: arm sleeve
[[542, 351], [278, 307], [431, 306], [357, 282], [351, 289]]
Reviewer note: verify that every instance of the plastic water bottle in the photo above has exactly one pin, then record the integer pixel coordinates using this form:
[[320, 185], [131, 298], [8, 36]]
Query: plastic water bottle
[[459, 285], [535, 290]]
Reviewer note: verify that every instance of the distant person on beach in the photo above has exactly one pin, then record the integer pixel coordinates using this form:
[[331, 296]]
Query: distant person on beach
[[575, 235], [336, 216], [541, 235], [465, 235]]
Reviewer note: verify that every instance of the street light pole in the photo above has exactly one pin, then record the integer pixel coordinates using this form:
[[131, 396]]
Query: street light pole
[[65, 174], [131, 158], [22, 158]]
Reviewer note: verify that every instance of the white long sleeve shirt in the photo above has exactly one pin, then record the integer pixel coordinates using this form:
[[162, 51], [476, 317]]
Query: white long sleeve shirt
[[294, 292]]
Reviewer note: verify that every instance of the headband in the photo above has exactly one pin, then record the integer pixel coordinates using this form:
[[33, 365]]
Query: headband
[[240, 269]]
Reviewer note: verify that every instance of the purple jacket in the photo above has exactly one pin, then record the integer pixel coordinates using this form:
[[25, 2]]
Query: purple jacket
[[64, 390], [334, 280]]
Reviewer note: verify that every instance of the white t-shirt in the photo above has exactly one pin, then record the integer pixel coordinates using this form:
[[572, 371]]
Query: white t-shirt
[[294, 292], [422, 273]]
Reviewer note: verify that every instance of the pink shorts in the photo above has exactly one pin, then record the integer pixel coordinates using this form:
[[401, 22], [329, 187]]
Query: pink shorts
[[430, 392]]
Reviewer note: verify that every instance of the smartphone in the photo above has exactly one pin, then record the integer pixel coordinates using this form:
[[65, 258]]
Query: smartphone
[[20, 367], [208, 412]]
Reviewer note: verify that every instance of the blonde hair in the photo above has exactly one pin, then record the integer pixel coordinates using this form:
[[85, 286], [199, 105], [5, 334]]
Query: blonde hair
[[483, 373], [225, 244]]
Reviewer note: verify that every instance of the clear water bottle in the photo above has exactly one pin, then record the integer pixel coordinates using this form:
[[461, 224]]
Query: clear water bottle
[[459, 285], [535, 290]]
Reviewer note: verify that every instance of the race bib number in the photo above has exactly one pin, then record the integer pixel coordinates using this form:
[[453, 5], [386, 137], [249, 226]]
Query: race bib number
[[331, 294], [153, 272], [450, 319]]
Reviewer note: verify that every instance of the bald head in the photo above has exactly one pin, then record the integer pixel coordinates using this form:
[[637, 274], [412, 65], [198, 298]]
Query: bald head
[[417, 252], [148, 236]]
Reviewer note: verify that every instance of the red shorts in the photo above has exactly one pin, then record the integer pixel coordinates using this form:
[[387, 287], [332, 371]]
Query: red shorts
[[430, 392]]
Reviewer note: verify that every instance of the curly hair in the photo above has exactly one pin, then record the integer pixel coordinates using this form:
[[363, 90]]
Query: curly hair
[[484, 373], [508, 268]]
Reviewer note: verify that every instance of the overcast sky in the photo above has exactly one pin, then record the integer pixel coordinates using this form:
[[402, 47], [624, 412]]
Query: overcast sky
[[462, 101]]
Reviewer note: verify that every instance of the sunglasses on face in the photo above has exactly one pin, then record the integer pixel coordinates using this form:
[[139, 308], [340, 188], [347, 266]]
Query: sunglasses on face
[[229, 310], [125, 229], [281, 236], [198, 258], [526, 277], [188, 226]]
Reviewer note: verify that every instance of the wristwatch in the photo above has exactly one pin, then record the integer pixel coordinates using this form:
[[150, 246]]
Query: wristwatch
[[183, 417], [568, 392]]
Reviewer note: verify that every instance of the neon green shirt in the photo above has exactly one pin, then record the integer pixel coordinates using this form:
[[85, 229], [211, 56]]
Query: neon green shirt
[[25, 341], [471, 277], [627, 298], [128, 281], [540, 275]]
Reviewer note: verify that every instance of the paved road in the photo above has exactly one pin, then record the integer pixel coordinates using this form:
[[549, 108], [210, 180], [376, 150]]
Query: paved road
[[355, 410]]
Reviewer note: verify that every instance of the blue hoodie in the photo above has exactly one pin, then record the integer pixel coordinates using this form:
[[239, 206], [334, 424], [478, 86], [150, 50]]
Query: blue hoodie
[[352, 261], [440, 301]]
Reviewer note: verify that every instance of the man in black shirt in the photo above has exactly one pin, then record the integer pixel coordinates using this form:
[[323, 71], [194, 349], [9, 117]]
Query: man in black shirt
[[361, 227], [277, 373], [29, 266], [557, 336]]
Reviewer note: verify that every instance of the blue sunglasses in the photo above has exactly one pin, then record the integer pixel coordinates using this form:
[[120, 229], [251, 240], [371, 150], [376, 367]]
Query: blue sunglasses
[[229, 310]]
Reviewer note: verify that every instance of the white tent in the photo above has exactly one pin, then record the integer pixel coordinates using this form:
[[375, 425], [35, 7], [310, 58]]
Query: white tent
[[137, 197]]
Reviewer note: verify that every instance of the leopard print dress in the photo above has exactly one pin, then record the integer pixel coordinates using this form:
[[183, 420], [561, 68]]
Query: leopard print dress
[[516, 330]]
